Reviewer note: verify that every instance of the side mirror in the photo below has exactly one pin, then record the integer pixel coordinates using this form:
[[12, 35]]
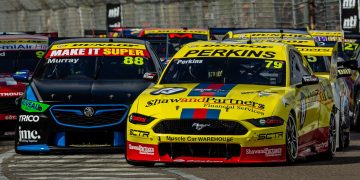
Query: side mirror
[[351, 64], [22, 76], [309, 80], [344, 72], [150, 76]]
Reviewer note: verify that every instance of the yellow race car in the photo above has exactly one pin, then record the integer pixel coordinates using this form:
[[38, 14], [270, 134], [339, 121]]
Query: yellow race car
[[226, 102]]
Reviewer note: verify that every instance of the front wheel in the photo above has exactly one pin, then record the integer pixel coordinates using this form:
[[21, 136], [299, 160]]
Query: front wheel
[[292, 142]]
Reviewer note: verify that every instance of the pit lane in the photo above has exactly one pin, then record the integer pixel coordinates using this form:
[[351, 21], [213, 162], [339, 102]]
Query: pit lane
[[346, 165]]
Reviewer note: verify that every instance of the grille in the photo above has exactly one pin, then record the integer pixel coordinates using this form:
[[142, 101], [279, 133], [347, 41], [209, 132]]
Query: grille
[[175, 150], [200, 127], [103, 115], [7, 106]]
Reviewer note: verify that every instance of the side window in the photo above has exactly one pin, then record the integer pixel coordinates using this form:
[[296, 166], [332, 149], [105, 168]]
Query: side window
[[304, 66], [295, 73]]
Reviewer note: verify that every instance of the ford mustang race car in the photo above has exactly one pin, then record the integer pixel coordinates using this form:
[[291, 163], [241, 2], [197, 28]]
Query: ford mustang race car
[[80, 93], [323, 61], [18, 53], [226, 102]]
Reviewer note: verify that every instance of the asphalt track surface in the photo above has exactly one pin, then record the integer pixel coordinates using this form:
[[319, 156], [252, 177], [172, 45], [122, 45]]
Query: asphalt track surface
[[345, 165]]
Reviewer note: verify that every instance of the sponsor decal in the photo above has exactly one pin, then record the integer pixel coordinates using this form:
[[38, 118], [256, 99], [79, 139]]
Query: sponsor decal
[[32, 106], [98, 45], [11, 94], [56, 61], [168, 91], [279, 35], [2, 54], [344, 71], [314, 49], [267, 152], [96, 52], [28, 136], [29, 118], [214, 103], [217, 90], [212, 100], [251, 53], [168, 31], [10, 117], [142, 149], [266, 136], [189, 61], [350, 22], [199, 139], [23, 46], [139, 133]]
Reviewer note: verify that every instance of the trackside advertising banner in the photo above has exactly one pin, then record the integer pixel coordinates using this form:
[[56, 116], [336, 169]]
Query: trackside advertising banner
[[113, 17], [350, 15]]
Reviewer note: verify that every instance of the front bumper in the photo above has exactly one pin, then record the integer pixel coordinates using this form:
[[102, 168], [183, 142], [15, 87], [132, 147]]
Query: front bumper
[[258, 145]]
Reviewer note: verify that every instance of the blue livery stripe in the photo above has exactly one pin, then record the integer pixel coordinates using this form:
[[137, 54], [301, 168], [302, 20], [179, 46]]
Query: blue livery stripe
[[213, 114], [187, 113]]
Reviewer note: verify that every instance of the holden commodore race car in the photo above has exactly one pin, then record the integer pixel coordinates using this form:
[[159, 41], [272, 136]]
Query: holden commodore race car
[[167, 41], [323, 61], [226, 102], [80, 94], [18, 54]]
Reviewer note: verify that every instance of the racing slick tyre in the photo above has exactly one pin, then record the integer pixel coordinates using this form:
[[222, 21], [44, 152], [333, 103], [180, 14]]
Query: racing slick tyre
[[341, 138], [292, 142], [347, 139], [329, 154], [356, 117], [340, 129]]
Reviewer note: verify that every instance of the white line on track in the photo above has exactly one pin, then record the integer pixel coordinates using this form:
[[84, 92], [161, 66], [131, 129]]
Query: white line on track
[[101, 178], [73, 165], [182, 174], [3, 157], [79, 174]]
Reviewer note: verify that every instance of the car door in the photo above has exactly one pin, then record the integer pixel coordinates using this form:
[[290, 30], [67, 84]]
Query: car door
[[307, 101]]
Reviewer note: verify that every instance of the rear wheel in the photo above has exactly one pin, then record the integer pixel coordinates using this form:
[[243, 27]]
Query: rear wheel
[[355, 120], [291, 140], [341, 133], [329, 154]]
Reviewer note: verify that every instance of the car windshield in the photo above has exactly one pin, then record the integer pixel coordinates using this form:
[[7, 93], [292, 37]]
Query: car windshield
[[176, 41], [95, 67], [226, 70], [12, 61], [319, 63]]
